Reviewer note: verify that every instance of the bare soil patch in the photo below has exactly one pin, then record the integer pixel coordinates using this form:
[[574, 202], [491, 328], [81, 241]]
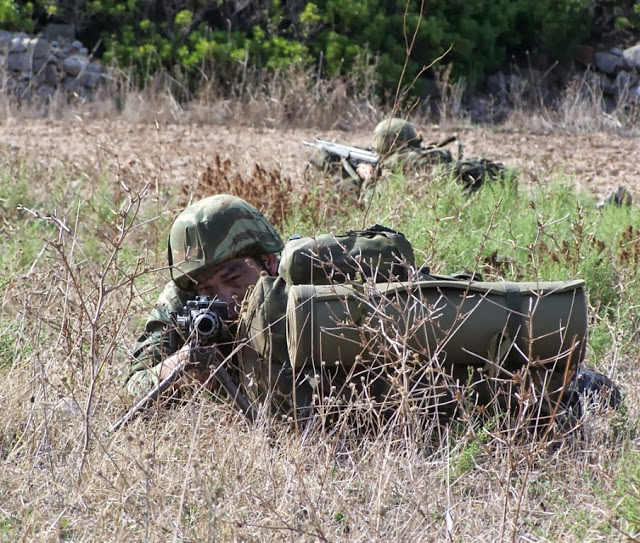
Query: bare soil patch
[[175, 153]]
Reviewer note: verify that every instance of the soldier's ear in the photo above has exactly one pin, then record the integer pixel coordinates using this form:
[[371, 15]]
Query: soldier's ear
[[270, 263]]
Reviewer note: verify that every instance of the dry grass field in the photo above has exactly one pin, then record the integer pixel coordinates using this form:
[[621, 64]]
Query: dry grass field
[[177, 153], [199, 471]]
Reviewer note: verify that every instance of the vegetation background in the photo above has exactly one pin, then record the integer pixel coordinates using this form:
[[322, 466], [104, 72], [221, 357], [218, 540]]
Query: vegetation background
[[87, 194], [196, 40]]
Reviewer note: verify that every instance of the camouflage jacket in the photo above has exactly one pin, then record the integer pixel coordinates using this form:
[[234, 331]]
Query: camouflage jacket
[[470, 172], [410, 159], [153, 345]]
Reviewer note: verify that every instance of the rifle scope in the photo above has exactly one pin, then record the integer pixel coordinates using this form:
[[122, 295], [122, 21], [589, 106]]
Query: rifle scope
[[202, 320]]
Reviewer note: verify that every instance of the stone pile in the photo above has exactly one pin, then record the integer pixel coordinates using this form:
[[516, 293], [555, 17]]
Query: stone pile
[[34, 66], [615, 72], [618, 74]]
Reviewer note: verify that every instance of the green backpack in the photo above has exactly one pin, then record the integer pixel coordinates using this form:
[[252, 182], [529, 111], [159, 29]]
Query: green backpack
[[374, 254], [342, 313]]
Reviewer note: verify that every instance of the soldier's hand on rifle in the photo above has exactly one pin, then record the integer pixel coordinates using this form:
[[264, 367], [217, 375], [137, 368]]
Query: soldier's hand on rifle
[[365, 171], [192, 374]]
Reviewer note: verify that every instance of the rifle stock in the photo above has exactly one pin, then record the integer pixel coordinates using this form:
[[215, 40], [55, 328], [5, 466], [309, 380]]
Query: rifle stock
[[150, 397], [218, 371]]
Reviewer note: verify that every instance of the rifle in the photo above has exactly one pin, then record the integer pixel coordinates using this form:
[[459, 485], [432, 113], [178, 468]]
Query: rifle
[[353, 155], [202, 320]]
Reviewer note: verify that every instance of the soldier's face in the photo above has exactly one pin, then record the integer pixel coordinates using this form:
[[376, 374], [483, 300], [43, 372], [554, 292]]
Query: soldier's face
[[229, 282]]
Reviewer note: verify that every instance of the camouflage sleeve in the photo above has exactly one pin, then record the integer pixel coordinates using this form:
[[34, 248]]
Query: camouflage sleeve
[[153, 345]]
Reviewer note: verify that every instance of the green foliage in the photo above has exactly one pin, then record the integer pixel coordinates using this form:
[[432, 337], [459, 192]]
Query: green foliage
[[23, 238], [195, 37], [9, 340], [548, 232], [15, 17], [482, 35], [551, 233]]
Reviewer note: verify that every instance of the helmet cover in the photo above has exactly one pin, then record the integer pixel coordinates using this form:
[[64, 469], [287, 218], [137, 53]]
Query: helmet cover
[[391, 134], [215, 230]]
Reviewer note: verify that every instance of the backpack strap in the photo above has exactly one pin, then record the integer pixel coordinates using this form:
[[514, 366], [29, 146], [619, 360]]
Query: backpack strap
[[513, 302]]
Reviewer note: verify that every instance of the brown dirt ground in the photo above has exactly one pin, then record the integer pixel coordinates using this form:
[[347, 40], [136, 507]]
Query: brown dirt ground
[[175, 153]]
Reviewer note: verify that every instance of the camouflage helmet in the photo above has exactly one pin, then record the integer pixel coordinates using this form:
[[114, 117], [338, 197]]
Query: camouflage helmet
[[214, 230], [392, 134]]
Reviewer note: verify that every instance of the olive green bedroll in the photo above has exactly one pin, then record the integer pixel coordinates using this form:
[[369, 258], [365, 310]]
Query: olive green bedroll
[[499, 339], [456, 321]]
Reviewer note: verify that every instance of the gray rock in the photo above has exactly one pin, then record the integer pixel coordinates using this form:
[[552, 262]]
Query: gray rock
[[72, 85], [51, 76], [94, 68], [623, 83], [40, 63], [38, 48], [75, 64], [38, 78], [19, 62], [91, 79], [45, 90], [607, 84], [632, 57], [634, 95], [18, 45], [608, 62]]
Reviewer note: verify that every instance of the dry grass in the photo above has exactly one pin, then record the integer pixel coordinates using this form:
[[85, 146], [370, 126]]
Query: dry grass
[[199, 471], [294, 97]]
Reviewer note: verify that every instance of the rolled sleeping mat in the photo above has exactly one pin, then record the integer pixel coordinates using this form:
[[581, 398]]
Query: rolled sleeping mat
[[450, 322]]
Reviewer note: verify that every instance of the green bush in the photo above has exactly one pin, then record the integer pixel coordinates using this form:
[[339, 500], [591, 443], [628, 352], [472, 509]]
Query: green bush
[[195, 37], [13, 17]]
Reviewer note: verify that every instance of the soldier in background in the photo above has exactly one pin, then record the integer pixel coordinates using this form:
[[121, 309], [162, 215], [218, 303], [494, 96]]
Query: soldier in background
[[401, 150], [621, 197]]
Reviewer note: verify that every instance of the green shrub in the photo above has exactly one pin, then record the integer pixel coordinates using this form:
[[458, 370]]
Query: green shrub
[[196, 38]]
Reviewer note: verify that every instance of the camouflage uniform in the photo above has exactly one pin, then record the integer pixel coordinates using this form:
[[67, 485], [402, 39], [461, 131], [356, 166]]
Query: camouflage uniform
[[621, 197], [339, 172], [211, 232], [401, 149], [208, 233]]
